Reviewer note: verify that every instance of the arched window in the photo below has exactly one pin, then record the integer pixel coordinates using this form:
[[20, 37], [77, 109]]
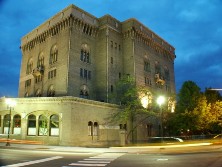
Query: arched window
[[6, 123], [84, 92], [29, 67], [84, 53], [43, 125], [31, 125], [147, 65], [26, 94], [95, 129], [17, 124], [53, 55], [38, 93], [40, 62], [51, 91], [90, 128], [54, 125]]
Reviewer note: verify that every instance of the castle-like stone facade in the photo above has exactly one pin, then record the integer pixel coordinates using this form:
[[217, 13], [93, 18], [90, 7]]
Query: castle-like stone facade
[[70, 66], [77, 54]]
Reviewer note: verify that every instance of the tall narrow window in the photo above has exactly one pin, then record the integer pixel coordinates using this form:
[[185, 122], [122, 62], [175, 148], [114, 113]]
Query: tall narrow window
[[6, 125], [149, 130], [51, 91], [95, 129], [120, 75], [29, 67], [28, 83], [38, 93], [54, 125], [31, 125], [85, 73], [84, 92], [43, 129], [53, 55], [85, 53], [147, 66], [17, 124], [157, 68], [40, 62], [111, 88], [81, 72], [90, 128]]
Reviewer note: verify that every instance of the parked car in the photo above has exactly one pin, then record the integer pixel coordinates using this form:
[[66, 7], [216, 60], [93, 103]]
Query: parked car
[[168, 140]]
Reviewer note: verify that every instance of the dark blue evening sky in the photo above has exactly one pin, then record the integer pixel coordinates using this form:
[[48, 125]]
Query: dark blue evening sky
[[193, 27]]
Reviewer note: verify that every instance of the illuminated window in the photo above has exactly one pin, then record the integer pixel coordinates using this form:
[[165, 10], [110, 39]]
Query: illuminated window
[[43, 125], [54, 125], [17, 124], [31, 125]]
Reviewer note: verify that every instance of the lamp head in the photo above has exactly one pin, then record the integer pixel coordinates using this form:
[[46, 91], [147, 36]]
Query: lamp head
[[10, 102], [160, 100]]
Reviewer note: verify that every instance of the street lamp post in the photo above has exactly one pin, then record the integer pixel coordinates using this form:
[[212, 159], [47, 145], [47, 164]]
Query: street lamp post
[[160, 101], [10, 104]]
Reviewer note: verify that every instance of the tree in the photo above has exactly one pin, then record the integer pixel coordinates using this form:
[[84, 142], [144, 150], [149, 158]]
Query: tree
[[203, 116], [129, 95], [197, 112], [188, 97]]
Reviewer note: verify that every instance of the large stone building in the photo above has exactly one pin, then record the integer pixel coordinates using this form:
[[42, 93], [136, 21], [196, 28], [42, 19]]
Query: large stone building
[[70, 66]]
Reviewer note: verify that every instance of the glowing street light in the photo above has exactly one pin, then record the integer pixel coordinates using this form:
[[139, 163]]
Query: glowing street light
[[10, 104], [160, 101]]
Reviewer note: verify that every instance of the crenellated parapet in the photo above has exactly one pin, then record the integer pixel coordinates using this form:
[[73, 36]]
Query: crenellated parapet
[[133, 30], [70, 21], [71, 17]]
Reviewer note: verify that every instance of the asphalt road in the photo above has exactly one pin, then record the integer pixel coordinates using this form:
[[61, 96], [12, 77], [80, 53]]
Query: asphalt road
[[42, 158]]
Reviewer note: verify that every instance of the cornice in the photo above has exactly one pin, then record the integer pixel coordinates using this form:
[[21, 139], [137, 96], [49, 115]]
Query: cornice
[[64, 99], [139, 35]]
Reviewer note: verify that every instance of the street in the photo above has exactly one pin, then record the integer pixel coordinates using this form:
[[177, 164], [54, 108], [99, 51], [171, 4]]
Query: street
[[46, 158]]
